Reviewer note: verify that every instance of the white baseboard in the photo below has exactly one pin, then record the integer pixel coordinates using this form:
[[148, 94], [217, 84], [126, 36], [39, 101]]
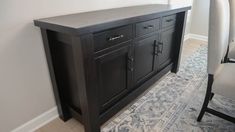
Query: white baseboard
[[38, 122], [186, 37], [196, 36]]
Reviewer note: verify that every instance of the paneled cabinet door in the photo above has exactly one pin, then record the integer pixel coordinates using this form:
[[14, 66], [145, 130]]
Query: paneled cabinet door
[[144, 58], [165, 48], [114, 76]]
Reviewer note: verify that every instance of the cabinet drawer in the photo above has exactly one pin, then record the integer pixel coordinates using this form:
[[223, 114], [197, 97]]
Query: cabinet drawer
[[112, 37], [169, 20], [147, 27]]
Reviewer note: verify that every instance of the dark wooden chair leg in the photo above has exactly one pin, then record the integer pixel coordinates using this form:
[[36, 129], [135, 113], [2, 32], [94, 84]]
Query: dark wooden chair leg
[[204, 106], [207, 98], [226, 59], [221, 115], [212, 95], [230, 61]]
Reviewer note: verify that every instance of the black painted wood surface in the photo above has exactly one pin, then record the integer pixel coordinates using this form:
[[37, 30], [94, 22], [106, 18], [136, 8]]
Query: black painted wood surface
[[100, 61]]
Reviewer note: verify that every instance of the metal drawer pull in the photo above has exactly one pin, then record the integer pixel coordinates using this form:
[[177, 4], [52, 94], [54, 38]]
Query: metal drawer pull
[[155, 48], [131, 59], [160, 47], [155, 52], [131, 69], [130, 63], [169, 20], [115, 37], [148, 27]]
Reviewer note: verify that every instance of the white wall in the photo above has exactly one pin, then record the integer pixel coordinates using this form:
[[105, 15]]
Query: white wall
[[200, 17], [25, 87], [188, 2]]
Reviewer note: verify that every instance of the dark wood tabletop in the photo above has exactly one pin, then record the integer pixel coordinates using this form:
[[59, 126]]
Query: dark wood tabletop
[[73, 22]]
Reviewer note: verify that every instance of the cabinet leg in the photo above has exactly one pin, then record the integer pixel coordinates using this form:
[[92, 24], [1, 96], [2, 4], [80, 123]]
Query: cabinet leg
[[63, 110], [87, 91], [180, 29], [91, 127], [91, 121], [175, 68]]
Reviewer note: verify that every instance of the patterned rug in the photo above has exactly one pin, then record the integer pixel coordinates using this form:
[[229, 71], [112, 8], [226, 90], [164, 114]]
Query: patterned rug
[[174, 104]]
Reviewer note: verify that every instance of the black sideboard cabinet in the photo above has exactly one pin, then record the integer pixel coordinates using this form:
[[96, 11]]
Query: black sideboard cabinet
[[100, 61]]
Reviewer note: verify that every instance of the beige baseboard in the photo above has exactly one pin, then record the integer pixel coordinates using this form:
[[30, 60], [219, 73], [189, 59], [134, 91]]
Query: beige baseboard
[[196, 36], [38, 122]]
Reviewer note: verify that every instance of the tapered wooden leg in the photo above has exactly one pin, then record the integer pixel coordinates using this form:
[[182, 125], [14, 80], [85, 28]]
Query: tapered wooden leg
[[179, 40], [230, 61], [212, 95], [60, 98], [88, 92], [204, 107], [221, 115], [226, 59], [90, 127], [207, 98]]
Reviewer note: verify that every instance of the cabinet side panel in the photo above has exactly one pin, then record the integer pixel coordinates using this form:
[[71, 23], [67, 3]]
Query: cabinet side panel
[[59, 96], [66, 76], [180, 31], [63, 62]]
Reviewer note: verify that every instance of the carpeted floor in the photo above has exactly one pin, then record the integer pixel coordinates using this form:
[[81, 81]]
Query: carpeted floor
[[174, 104]]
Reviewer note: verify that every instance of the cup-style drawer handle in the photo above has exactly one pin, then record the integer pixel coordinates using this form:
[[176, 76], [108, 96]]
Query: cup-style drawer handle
[[169, 20], [115, 37], [148, 27]]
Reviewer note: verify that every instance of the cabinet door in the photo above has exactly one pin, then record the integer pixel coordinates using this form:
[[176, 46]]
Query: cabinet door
[[165, 48], [144, 59], [114, 76]]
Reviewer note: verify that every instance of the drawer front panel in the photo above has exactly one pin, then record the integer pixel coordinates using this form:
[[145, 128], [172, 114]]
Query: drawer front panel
[[169, 21], [112, 37], [147, 27]]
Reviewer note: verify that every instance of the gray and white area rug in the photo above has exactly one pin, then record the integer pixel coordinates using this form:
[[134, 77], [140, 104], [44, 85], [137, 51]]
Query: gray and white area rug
[[173, 104]]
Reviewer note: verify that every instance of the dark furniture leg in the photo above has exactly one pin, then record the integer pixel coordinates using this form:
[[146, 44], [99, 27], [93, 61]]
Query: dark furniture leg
[[221, 115], [87, 91], [230, 61], [207, 98], [212, 95], [227, 59], [63, 110], [180, 28]]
